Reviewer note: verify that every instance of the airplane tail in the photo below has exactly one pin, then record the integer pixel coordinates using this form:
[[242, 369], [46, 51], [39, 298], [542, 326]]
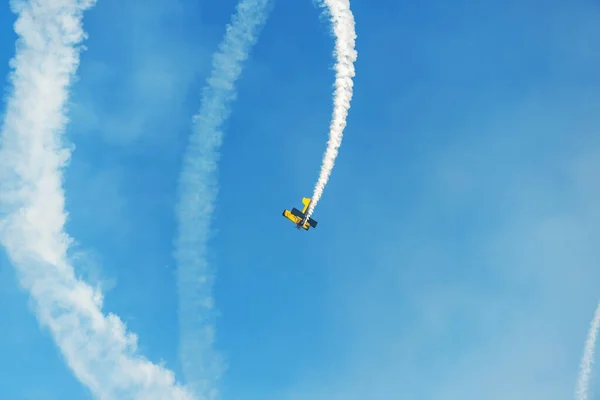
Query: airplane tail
[[306, 201]]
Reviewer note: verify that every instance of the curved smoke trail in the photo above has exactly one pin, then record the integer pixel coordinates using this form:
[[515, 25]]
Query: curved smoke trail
[[97, 347], [345, 37], [585, 367], [202, 366]]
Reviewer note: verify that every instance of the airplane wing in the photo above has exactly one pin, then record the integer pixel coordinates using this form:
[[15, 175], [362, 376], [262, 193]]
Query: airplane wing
[[300, 215], [291, 216]]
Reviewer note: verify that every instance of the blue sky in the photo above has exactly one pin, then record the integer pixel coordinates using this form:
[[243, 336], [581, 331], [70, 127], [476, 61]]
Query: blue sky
[[456, 252]]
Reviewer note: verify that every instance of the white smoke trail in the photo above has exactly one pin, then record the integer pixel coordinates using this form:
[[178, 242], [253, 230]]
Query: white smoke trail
[[345, 37], [96, 347], [585, 367], [202, 366]]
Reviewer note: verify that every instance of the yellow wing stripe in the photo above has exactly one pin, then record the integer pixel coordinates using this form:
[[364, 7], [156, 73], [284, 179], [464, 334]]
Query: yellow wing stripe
[[291, 217]]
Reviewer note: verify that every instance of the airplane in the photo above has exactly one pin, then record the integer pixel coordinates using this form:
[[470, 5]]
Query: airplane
[[299, 217]]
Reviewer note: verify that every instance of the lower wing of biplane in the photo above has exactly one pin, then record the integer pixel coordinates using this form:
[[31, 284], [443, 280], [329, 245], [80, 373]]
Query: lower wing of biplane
[[297, 216]]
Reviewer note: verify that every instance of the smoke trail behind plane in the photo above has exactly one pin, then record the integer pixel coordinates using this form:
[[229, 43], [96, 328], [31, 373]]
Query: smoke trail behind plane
[[202, 366], [96, 347], [345, 37], [585, 367]]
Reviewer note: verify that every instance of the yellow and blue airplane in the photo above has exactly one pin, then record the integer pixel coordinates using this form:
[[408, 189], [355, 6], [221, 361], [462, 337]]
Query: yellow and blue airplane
[[299, 217]]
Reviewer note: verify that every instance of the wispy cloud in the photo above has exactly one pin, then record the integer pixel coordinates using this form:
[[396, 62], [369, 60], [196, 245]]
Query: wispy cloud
[[33, 152], [202, 365], [585, 367]]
